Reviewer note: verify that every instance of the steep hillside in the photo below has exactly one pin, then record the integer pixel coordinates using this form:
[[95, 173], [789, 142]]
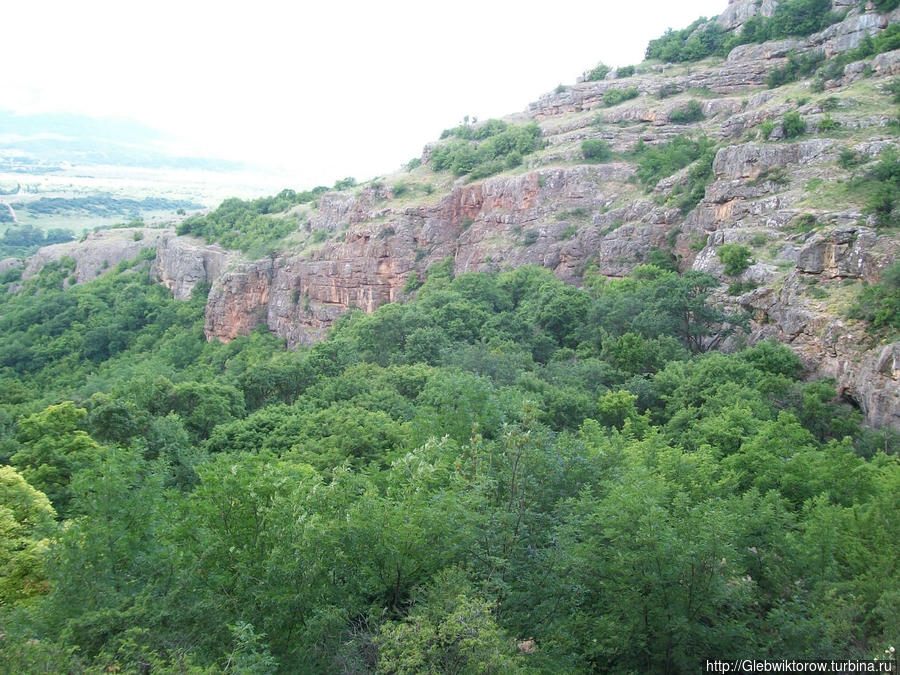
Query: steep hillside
[[577, 464], [772, 147]]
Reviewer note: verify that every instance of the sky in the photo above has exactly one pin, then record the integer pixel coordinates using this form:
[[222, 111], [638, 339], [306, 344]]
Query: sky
[[314, 90]]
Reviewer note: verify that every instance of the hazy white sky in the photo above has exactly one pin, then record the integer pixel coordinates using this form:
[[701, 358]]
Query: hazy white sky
[[322, 90]]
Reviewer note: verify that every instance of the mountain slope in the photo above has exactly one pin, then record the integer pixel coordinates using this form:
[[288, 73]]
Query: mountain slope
[[685, 158]]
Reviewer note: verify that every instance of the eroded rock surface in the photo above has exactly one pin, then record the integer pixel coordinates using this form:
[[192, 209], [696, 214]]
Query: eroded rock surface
[[99, 251]]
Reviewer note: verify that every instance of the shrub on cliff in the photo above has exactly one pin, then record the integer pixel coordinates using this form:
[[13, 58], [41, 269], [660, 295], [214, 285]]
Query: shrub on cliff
[[598, 72], [792, 18], [480, 154], [792, 125], [735, 257], [616, 96], [880, 303], [595, 150], [658, 161], [692, 112]]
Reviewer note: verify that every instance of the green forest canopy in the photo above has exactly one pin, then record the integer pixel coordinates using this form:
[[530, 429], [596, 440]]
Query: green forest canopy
[[505, 460]]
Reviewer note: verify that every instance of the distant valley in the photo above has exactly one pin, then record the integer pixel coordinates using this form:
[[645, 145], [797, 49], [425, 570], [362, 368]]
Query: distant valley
[[76, 173]]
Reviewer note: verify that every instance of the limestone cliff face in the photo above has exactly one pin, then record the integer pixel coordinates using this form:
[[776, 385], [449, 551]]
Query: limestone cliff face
[[99, 251], [183, 262], [563, 214], [560, 218], [360, 247], [838, 258]]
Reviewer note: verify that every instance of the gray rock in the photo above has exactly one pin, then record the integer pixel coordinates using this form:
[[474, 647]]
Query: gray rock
[[738, 11], [100, 251], [10, 263], [749, 160], [183, 262]]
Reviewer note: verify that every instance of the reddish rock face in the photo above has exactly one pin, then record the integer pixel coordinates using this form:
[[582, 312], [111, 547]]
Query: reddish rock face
[[482, 226]]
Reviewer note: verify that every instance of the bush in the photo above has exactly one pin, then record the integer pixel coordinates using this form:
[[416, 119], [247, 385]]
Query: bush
[[569, 232], [806, 223], [765, 129], [827, 124], [414, 163], [893, 88], [797, 66], [880, 303], [692, 112], [793, 125], [735, 257], [513, 160], [599, 72], [657, 162], [688, 194], [774, 174], [345, 183], [668, 89], [880, 189], [616, 96], [246, 225], [740, 287], [797, 18], [688, 44], [485, 150], [530, 237], [412, 282], [664, 260], [850, 159], [595, 150], [625, 71]]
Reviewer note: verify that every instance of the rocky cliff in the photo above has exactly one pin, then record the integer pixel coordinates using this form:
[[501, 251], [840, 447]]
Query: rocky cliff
[[784, 198], [98, 251]]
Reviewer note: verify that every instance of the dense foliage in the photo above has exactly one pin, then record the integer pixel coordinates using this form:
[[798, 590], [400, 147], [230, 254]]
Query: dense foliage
[[482, 150], [598, 72], [616, 96], [103, 205], [792, 18], [248, 225], [22, 240], [735, 257], [879, 187], [504, 461], [880, 303], [596, 150], [797, 66], [655, 162]]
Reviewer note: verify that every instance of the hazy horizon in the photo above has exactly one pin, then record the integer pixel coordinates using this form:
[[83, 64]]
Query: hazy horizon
[[316, 93]]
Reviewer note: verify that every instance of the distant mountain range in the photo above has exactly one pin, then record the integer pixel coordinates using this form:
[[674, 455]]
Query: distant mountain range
[[48, 142]]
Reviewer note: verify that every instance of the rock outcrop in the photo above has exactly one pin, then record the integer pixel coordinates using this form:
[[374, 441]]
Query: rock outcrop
[[813, 243], [99, 251], [183, 262], [829, 345], [9, 264], [558, 218]]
